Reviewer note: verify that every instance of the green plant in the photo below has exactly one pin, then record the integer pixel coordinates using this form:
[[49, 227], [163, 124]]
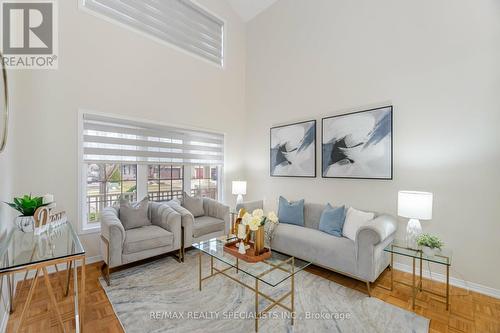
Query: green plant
[[26, 205], [430, 241]]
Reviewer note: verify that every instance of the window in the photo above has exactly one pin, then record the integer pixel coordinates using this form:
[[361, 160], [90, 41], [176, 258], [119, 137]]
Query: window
[[106, 183], [165, 182], [133, 159], [204, 181], [181, 23]]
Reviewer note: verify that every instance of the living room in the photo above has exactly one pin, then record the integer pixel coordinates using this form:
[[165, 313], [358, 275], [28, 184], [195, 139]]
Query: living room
[[386, 111]]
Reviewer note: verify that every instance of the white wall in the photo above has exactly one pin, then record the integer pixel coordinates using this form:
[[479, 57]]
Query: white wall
[[107, 68], [436, 61]]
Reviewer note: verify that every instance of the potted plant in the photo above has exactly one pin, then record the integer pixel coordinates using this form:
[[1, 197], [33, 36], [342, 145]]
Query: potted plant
[[26, 205], [429, 244]]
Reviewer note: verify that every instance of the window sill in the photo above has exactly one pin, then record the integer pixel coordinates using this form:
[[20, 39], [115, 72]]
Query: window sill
[[89, 230]]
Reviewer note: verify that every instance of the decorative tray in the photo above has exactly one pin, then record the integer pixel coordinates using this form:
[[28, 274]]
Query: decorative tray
[[231, 248]]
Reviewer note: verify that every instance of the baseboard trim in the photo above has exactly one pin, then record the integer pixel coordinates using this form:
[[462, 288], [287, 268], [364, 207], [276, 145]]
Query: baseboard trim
[[476, 287]]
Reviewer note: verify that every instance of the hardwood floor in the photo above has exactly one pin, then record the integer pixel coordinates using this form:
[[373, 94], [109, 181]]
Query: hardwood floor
[[469, 311]]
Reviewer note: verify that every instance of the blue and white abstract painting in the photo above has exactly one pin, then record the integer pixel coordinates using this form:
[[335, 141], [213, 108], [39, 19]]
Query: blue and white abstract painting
[[293, 150], [358, 145]]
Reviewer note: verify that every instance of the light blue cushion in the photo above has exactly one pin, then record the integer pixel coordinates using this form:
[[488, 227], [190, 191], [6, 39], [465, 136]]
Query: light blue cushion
[[291, 212], [332, 220]]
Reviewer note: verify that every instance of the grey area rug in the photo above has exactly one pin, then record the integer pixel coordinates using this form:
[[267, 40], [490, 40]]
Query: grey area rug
[[163, 296]]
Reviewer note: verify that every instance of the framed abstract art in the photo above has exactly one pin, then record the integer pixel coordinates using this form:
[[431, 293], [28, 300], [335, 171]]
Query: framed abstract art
[[358, 145], [293, 150]]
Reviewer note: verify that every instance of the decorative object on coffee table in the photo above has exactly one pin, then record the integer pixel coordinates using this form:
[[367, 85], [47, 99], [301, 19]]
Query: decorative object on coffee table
[[256, 222], [414, 205], [358, 145], [430, 245], [293, 150]]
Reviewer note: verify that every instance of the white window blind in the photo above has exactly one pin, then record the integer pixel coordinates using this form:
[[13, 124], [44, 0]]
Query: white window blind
[[110, 140], [178, 22]]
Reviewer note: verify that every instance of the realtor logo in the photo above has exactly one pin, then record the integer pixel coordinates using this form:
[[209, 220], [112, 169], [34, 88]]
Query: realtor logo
[[29, 34]]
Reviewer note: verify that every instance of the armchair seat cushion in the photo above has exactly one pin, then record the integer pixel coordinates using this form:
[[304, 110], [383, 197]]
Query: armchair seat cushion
[[205, 225], [146, 238]]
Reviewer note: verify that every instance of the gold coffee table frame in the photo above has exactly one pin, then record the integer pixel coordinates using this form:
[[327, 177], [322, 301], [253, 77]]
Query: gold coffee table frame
[[274, 302]]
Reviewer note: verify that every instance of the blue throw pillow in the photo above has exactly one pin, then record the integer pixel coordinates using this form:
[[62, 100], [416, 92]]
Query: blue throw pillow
[[291, 212], [332, 220]]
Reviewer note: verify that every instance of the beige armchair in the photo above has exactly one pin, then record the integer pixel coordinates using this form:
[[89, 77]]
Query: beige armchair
[[214, 223], [120, 246]]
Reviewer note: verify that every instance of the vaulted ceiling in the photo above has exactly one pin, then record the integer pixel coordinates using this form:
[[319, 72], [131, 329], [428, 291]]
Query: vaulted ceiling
[[248, 9]]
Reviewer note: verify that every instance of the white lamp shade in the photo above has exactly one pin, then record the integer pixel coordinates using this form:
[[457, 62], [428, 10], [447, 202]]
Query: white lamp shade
[[239, 187], [415, 205]]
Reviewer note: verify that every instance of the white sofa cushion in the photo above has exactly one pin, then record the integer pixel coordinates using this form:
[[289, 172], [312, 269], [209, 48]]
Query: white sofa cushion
[[354, 220]]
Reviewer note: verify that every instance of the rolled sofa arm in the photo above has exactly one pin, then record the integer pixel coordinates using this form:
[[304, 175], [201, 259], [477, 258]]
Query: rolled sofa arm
[[187, 221], [377, 230], [371, 239], [218, 210], [163, 215], [114, 233]]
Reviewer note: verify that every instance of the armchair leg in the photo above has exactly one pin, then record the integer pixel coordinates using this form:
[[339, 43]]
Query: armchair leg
[[182, 244], [105, 273], [178, 256], [368, 288], [105, 266]]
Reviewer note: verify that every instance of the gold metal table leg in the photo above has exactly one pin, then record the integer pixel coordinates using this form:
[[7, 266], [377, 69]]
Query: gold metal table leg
[[68, 268], [413, 289], [292, 295], [52, 297], [199, 271], [447, 287], [256, 305], [392, 270], [237, 265], [421, 281], [28, 301]]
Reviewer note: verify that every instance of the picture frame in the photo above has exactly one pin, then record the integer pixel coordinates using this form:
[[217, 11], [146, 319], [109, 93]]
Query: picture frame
[[293, 150], [358, 145]]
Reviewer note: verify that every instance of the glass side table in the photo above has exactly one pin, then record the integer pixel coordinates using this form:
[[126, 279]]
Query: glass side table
[[398, 247], [24, 251]]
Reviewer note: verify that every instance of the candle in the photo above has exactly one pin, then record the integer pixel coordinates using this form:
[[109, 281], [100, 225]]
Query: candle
[[242, 231]]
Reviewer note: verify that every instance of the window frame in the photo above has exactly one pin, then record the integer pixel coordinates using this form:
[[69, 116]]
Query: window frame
[[142, 191]]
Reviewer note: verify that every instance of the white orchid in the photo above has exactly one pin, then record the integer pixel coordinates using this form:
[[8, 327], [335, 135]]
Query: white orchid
[[246, 219], [258, 213], [272, 217], [255, 223]]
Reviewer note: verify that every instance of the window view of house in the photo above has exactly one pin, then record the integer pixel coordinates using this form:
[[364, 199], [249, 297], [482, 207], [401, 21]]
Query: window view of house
[[165, 182], [106, 183], [204, 180]]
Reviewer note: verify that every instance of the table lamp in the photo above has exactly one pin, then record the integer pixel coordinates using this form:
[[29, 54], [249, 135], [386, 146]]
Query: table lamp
[[415, 206], [239, 189]]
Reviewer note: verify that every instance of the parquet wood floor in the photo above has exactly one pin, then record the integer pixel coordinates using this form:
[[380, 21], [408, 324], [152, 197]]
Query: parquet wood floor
[[469, 311]]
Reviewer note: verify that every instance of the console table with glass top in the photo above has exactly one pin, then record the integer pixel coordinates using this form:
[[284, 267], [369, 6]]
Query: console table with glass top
[[272, 272], [24, 252], [399, 247]]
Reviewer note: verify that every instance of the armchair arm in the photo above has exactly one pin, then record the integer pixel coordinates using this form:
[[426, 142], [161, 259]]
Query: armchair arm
[[166, 217], [187, 221], [112, 230], [218, 210]]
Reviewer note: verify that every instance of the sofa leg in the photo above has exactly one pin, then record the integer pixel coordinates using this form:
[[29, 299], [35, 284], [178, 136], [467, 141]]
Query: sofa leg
[[368, 288], [178, 256]]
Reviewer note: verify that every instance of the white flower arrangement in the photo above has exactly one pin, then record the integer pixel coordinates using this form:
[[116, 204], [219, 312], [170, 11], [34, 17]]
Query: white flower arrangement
[[257, 219]]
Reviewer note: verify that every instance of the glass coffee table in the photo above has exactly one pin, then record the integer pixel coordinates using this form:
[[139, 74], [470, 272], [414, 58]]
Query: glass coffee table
[[272, 272], [24, 252], [398, 247]]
